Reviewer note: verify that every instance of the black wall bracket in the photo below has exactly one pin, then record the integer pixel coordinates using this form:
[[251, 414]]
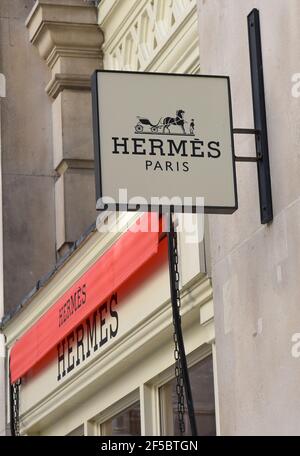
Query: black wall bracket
[[260, 120]]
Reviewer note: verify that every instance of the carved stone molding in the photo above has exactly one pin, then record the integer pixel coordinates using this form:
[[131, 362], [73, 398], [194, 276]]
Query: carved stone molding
[[61, 81], [56, 39], [151, 35], [68, 37]]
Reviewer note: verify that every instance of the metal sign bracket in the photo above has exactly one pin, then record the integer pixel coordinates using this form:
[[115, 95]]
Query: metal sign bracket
[[260, 120]]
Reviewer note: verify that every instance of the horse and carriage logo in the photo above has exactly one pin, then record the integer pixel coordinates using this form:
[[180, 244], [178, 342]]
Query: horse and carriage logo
[[165, 125]]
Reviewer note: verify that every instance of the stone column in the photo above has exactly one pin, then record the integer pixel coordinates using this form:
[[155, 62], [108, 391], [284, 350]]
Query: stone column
[[68, 38]]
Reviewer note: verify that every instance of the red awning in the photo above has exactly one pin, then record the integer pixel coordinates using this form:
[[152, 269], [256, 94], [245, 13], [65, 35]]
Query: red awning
[[108, 273]]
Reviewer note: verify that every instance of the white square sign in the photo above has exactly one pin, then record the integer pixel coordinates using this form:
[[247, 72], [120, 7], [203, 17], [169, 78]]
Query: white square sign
[[163, 140]]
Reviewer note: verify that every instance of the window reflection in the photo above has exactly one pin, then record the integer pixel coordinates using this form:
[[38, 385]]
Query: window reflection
[[202, 384], [126, 423]]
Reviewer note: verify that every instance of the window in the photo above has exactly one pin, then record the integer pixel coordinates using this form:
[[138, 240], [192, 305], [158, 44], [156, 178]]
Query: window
[[126, 423], [202, 384]]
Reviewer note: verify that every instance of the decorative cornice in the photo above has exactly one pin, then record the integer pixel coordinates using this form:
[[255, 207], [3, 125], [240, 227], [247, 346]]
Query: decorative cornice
[[150, 36], [64, 37], [71, 164], [115, 17], [59, 11], [106, 9], [180, 52], [61, 81], [73, 52]]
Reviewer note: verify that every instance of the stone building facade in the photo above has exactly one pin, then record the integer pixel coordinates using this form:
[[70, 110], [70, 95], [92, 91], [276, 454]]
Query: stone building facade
[[255, 267], [239, 286]]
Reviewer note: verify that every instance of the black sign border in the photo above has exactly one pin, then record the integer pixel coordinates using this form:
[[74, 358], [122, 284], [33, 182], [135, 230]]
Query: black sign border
[[97, 148]]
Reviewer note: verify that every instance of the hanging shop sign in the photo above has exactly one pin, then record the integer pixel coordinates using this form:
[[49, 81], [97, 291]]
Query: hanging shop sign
[[162, 140]]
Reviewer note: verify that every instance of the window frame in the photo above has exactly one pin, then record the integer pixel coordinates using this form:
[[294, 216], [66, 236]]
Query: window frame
[[115, 409], [148, 396], [167, 375]]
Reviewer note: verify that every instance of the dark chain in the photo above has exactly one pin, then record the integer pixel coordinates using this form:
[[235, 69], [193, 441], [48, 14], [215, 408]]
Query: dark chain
[[15, 420], [178, 363]]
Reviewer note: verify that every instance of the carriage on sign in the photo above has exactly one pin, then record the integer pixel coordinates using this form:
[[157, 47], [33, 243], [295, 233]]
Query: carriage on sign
[[144, 125], [143, 122]]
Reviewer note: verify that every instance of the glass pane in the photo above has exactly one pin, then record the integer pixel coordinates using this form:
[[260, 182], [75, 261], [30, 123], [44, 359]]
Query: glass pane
[[125, 423], [202, 384]]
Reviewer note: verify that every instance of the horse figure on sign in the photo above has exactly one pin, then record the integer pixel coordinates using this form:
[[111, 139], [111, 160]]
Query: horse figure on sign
[[178, 120]]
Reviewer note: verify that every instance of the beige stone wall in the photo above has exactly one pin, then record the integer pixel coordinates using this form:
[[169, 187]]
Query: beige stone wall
[[255, 268], [28, 176]]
